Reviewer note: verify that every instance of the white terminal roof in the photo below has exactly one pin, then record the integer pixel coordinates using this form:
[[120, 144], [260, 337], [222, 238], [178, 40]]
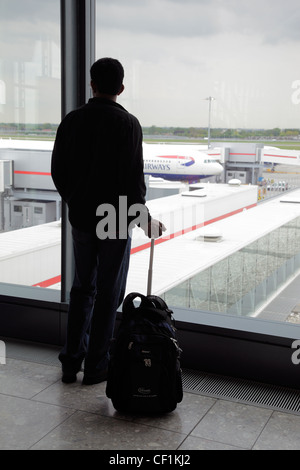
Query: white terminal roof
[[180, 258], [26, 144], [31, 239]]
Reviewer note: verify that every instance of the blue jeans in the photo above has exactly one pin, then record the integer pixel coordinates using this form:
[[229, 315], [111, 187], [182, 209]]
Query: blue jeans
[[101, 268]]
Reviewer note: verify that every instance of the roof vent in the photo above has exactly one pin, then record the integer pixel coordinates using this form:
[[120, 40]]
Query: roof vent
[[194, 193], [210, 235], [234, 182], [291, 199]]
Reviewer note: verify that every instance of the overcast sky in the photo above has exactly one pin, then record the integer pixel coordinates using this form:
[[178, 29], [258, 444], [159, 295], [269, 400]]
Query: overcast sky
[[243, 53], [176, 53]]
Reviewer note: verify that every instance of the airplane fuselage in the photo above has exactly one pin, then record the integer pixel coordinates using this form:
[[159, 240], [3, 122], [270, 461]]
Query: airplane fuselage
[[167, 161], [176, 163]]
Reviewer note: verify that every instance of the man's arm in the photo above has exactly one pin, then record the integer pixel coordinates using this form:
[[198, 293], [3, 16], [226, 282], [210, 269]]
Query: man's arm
[[63, 162]]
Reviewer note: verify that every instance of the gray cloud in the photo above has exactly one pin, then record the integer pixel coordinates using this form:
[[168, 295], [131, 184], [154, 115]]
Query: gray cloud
[[27, 22], [272, 20], [158, 17], [31, 10], [177, 52]]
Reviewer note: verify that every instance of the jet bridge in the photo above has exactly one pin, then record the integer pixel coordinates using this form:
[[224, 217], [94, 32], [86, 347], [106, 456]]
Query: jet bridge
[[246, 161], [27, 193], [25, 174]]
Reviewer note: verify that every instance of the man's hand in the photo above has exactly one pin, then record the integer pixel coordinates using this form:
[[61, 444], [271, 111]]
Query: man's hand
[[154, 229]]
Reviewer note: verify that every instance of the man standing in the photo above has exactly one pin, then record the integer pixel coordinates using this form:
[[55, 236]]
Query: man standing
[[98, 160]]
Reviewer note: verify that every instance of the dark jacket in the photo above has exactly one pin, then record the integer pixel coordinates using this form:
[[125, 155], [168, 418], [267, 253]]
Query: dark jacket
[[98, 157]]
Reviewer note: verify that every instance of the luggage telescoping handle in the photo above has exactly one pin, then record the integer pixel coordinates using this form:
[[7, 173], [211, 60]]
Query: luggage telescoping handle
[[149, 286]]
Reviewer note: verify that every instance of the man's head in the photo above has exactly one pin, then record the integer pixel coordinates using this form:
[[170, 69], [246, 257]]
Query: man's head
[[107, 76]]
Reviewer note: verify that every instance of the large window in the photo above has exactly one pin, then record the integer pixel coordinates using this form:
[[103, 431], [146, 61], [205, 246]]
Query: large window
[[229, 72], [30, 110], [195, 72]]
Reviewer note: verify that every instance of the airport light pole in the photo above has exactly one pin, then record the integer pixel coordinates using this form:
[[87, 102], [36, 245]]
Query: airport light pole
[[209, 99]]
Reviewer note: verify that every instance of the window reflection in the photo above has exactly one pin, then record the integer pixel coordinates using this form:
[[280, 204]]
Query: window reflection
[[176, 53], [29, 114]]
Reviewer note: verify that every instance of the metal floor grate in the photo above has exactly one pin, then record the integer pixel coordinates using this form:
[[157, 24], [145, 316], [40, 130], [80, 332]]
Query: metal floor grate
[[242, 390], [216, 386]]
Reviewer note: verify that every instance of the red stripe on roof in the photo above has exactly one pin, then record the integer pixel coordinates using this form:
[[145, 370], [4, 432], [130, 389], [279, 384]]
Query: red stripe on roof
[[238, 153], [48, 282], [39, 173], [187, 230], [158, 241]]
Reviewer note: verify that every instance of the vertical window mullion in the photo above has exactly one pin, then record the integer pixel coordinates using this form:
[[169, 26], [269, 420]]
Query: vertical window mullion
[[78, 54]]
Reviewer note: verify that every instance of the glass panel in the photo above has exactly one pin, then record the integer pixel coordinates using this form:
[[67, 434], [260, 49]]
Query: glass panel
[[30, 111], [200, 288], [241, 283], [235, 282]]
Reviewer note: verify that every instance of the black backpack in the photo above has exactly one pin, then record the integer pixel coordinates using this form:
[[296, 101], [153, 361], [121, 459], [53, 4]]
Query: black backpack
[[144, 374]]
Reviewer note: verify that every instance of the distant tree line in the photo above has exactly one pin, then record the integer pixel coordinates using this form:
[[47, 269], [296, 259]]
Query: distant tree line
[[201, 132], [14, 128], [178, 132]]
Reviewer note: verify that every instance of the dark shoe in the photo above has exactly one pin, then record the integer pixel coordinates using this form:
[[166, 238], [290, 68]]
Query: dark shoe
[[94, 379], [68, 378]]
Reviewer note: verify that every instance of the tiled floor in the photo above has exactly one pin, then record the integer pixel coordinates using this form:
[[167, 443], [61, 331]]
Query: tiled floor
[[39, 412]]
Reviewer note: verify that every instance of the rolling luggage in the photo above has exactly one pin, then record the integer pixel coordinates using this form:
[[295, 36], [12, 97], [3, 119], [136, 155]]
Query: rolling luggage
[[144, 374]]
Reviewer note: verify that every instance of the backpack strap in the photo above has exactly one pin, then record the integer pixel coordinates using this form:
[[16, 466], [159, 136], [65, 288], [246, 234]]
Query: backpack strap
[[160, 303], [128, 303], [149, 303]]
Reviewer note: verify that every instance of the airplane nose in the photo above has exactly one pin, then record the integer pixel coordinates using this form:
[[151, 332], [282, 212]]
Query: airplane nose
[[217, 168]]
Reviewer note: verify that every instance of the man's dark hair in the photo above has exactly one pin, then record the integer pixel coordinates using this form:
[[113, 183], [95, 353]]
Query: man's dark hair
[[108, 75]]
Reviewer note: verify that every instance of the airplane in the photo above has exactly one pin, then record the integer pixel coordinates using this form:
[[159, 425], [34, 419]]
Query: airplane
[[181, 162]]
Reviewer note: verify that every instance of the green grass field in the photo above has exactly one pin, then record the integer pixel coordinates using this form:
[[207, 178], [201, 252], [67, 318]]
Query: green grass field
[[282, 144]]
